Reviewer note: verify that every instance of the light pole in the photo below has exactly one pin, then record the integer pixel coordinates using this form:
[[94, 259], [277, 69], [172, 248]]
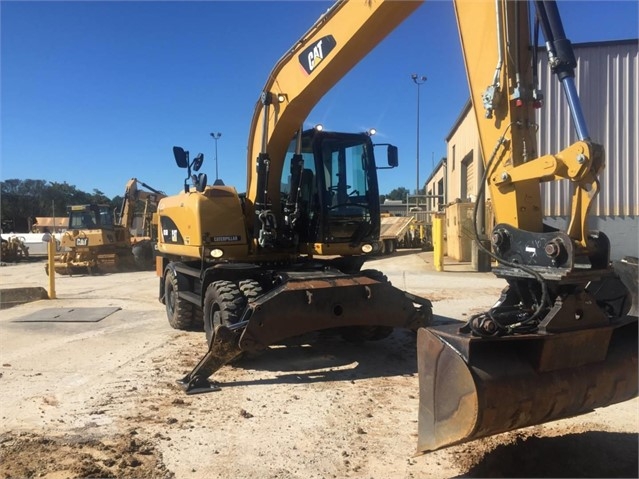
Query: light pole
[[216, 136], [418, 79]]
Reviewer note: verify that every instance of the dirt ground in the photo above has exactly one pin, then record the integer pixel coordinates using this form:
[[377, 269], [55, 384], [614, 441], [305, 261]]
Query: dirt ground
[[100, 399]]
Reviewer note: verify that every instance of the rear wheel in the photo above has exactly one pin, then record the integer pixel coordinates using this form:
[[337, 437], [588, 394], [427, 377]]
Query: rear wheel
[[390, 246], [223, 305], [179, 311]]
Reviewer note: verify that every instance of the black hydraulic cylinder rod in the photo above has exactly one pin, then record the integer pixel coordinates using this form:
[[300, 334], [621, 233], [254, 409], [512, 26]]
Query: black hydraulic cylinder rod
[[153, 190], [262, 168], [562, 60], [263, 160], [297, 165]]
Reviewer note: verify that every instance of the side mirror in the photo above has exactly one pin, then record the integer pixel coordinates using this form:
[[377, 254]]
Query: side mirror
[[197, 162], [393, 156], [181, 157]]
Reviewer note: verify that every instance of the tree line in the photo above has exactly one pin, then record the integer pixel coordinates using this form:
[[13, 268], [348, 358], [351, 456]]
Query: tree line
[[396, 194], [23, 200]]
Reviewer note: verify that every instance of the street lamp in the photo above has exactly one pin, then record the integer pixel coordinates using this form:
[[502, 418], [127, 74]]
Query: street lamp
[[418, 79], [216, 136]]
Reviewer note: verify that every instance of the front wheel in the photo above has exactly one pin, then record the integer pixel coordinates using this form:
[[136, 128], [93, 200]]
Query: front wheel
[[223, 306]]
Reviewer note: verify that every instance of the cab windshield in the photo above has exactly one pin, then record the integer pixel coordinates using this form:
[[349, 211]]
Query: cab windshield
[[91, 217]]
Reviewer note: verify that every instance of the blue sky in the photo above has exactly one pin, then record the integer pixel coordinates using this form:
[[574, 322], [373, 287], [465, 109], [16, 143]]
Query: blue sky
[[94, 93]]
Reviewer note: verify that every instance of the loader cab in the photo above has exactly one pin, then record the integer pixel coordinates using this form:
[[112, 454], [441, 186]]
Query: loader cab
[[339, 195]]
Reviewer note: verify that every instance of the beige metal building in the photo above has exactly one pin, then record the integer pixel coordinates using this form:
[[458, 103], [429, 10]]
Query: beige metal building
[[607, 76]]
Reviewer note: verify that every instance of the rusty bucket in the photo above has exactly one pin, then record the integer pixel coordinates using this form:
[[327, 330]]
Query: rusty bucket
[[473, 387]]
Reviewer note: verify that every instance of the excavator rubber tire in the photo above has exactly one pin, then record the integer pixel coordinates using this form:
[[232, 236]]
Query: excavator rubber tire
[[223, 305], [251, 289], [180, 313]]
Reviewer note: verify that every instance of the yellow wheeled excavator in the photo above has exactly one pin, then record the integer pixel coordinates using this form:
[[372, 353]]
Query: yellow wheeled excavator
[[255, 267], [97, 242]]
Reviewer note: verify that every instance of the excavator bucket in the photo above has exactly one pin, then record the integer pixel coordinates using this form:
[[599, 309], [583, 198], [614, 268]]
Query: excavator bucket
[[627, 269], [472, 387]]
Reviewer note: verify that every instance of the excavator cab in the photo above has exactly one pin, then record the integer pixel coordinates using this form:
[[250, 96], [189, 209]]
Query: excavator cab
[[336, 186]]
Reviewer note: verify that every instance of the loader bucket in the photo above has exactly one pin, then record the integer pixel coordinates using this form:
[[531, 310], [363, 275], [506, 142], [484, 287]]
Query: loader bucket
[[473, 387]]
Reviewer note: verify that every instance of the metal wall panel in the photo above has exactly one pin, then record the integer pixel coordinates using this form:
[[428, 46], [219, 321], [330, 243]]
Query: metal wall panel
[[607, 78]]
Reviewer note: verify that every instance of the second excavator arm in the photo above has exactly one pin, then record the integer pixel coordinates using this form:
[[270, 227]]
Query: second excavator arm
[[133, 194], [558, 342]]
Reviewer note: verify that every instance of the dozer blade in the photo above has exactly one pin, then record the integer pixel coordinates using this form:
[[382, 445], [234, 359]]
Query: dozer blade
[[473, 387], [306, 302]]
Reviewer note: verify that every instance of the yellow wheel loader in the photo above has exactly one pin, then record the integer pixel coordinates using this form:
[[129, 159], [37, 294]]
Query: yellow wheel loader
[[285, 257], [97, 242]]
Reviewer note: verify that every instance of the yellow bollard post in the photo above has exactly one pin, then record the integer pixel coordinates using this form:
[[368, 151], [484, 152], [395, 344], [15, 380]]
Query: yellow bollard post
[[438, 242], [50, 259]]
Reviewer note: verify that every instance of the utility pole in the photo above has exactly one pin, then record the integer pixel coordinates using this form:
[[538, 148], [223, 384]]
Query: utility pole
[[418, 79], [216, 136]]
